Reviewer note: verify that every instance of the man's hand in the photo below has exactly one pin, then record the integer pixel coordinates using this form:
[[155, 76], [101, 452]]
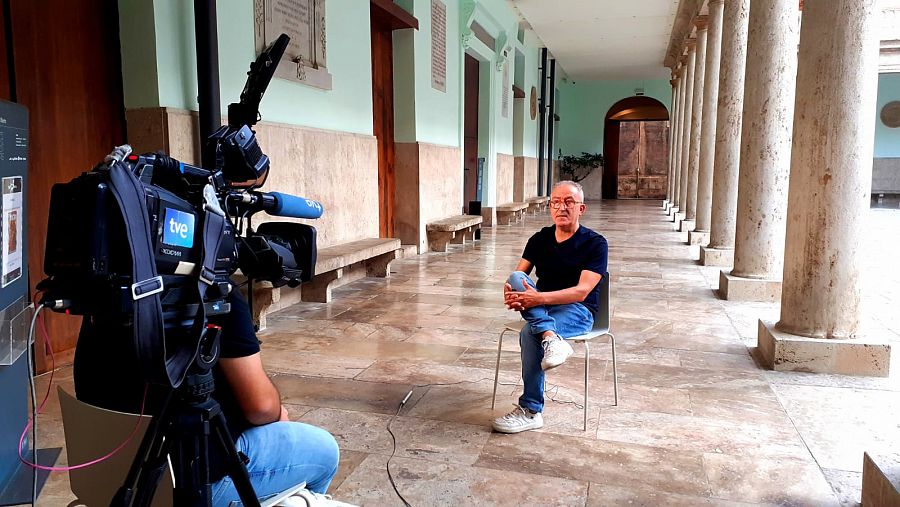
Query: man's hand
[[284, 414], [519, 301]]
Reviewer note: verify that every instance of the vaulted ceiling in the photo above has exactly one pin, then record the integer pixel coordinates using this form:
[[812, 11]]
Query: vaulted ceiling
[[628, 39], [604, 39]]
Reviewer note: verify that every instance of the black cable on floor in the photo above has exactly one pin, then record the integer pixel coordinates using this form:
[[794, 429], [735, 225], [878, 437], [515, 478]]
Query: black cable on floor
[[406, 399]]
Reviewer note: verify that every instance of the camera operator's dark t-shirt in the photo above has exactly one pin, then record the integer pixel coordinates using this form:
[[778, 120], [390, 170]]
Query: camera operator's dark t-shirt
[[107, 372], [559, 265]]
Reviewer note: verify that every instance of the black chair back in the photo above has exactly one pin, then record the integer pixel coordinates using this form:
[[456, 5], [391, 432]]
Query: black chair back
[[601, 318]]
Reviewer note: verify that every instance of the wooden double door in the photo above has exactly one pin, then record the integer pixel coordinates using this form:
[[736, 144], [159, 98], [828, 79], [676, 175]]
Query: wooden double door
[[643, 159]]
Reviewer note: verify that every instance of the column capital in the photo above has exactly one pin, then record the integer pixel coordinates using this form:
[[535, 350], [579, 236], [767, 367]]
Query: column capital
[[712, 2], [701, 22]]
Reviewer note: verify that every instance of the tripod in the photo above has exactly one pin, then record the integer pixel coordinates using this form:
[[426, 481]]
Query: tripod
[[182, 430]]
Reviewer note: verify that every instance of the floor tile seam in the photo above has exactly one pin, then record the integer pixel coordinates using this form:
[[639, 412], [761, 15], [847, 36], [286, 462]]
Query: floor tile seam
[[803, 439], [570, 477]]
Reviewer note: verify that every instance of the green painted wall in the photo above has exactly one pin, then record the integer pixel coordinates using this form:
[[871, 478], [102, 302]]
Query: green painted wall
[[347, 107], [423, 113], [887, 140], [138, 46], [584, 104]]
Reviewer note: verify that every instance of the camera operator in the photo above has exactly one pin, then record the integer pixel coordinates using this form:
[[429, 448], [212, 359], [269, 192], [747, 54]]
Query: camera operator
[[281, 453]]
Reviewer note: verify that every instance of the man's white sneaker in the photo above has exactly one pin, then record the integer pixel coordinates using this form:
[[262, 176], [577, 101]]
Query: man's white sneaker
[[518, 420], [306, 498], [556, 351]]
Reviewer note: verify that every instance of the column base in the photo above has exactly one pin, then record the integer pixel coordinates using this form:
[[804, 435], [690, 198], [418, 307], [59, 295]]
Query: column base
[[881, 479], [665, 204], [737, 288], [787, 352], [676, 215], [686, 225], [716, 256], [698, 238]]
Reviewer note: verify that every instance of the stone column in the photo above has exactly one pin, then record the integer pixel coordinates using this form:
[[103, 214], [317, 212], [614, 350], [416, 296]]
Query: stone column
[[674, 84], [681, 196], [830, 183], [772, 39], [720, 251], [690, 195], [679, 125], [676, 115], [700, 234]]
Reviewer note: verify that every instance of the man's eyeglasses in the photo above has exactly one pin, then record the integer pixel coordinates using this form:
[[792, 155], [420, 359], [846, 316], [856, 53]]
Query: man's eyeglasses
[[568, 203]]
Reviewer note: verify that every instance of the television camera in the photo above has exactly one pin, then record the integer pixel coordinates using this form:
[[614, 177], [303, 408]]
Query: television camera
[[151, 242]]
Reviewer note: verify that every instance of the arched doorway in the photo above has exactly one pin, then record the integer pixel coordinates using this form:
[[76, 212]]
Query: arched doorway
[[636, 149]]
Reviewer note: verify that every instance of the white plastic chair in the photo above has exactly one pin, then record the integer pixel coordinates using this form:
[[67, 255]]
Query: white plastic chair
[[599, 329], [91, 432]]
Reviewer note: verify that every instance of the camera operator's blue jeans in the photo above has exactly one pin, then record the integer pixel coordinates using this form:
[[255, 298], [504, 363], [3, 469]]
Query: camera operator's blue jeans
[[282, 455], [569, 320]]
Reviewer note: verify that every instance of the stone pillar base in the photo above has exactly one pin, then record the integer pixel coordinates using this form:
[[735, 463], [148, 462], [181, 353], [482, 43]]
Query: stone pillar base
[[716, 256], [698, 238], [881, 479], [677, 216], [686, 225], [787, 352], [665, 204], [737, 288], [672, 210]]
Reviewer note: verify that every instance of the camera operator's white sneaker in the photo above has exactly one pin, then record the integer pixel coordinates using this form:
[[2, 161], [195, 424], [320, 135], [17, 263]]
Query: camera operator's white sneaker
[[519, 420], [307, 498], [556, 351]]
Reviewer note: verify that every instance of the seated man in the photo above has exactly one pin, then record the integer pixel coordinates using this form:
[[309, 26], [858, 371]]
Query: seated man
[[570, 261], [281, 453]]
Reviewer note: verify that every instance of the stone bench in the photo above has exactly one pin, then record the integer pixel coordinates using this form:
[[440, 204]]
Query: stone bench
[[510, 213], [335, 266], [537, 204], [452, 230]]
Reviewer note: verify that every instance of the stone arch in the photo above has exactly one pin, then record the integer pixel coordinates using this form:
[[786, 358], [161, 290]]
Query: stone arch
[[636, 108]]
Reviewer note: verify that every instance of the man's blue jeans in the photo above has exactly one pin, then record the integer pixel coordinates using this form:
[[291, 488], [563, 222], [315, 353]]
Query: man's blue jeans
[[283, 454], [568, 320]]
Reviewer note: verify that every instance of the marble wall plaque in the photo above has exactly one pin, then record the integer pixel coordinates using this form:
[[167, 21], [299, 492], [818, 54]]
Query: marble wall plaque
[[438, 45], [304, 22]]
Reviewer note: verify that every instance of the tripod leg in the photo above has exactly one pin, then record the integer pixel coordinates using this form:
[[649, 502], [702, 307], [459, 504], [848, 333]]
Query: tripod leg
[[148, 465], [236, 469]]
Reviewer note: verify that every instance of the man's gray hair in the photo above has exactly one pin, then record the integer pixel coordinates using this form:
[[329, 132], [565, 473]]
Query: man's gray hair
[[571, 183]]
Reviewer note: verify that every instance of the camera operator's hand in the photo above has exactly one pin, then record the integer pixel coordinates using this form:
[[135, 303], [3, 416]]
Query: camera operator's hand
[[285, 417]]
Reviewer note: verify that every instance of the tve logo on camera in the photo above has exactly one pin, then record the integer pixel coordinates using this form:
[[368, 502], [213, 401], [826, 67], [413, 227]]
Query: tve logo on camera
[[178, 228]]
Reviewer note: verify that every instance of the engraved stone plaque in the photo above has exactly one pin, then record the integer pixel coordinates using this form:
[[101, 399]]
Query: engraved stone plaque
[[304, 22], [438, 45]]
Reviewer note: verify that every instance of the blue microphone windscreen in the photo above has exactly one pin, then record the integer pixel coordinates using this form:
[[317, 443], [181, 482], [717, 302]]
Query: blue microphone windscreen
[[296, 207]]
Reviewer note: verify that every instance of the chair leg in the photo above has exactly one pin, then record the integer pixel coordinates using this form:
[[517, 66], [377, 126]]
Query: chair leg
[[497, 369], [612, 341], [587, 369]]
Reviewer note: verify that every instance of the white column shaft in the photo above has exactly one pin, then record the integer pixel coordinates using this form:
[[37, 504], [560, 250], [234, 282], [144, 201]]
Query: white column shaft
[[686, 128], [671, 161], [696, 125], [831, 168], [710, 105], [772, 39], [728, 123], [679, 133]]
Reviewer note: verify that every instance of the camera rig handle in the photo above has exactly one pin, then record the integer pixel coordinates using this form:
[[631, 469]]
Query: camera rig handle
[[246, 112]]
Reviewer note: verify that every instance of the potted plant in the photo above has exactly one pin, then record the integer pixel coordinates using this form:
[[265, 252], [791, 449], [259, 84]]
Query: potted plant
[[578, 167]]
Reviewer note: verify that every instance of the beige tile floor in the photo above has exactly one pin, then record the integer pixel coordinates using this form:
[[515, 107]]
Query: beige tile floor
[[698, 423]]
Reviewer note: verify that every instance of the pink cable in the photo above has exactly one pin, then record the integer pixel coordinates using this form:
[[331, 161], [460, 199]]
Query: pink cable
[[41, 407]]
